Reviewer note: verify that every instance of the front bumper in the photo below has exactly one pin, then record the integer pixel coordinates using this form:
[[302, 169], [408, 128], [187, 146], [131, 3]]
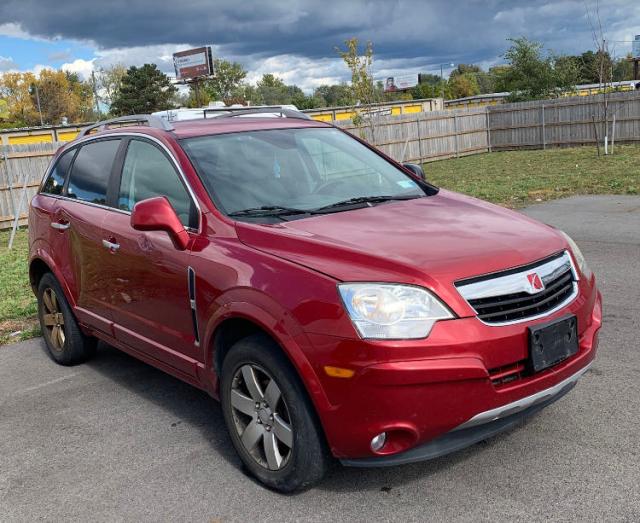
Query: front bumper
[[446, 399], [480, 427]]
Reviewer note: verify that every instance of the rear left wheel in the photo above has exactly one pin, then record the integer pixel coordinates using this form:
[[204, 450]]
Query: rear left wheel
[[66, 343]]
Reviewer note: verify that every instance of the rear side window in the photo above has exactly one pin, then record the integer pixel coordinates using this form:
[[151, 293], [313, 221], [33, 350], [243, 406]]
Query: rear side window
[[91, 170], [58, 175], [147, 173]]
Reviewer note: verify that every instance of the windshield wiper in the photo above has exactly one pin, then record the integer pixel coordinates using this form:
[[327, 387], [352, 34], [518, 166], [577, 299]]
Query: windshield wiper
[[364, 199], [268, 210]]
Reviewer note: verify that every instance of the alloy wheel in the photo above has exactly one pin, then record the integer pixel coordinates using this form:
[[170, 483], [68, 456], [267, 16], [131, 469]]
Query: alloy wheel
[[53, 319], [261, 417]]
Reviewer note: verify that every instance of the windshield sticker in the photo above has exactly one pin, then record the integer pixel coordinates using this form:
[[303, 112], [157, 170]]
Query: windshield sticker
[[406, 184]]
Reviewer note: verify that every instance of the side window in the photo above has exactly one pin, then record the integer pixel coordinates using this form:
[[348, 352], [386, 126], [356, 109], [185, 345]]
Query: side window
[[55, 182], [91, 170], [147, 173]]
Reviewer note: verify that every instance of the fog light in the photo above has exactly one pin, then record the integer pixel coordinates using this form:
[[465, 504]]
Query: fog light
[[378, 441]]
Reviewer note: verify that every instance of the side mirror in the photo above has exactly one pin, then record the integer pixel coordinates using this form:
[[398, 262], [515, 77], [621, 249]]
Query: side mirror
[[157, 214], [415, 169]]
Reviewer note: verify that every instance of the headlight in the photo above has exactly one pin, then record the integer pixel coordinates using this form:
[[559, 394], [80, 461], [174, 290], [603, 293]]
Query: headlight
[[389, 311], [577, 254]]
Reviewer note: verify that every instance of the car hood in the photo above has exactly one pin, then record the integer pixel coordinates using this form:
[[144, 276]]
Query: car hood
[[430, 241]]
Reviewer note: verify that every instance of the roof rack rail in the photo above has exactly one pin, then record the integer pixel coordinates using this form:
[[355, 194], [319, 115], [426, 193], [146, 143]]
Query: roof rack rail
[[149, 119], [229, 112]]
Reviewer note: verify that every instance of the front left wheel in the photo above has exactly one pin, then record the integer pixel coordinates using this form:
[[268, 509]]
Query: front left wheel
[[269, 417]]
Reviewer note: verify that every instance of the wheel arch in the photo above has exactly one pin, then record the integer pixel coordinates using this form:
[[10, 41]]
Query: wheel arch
[[240, 320], [41, 262]]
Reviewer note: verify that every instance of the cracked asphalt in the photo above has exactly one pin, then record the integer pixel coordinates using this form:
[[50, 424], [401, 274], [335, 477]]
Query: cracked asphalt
[[116, 440]]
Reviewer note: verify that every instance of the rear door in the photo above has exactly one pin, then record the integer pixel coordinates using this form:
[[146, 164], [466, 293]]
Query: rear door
[[78, 218], [47, 233], [148, 277]]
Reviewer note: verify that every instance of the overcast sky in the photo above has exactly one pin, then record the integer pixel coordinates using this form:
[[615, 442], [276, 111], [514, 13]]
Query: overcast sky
[[295, 39]]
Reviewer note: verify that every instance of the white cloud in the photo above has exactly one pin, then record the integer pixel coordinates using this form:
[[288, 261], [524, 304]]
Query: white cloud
[[7, 64], [13, 30], [81, 67]]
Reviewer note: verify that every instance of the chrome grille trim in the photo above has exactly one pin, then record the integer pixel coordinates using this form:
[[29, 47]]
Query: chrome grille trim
[[514, 281]]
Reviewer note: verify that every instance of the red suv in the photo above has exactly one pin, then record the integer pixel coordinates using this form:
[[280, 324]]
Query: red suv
[[336, 303]]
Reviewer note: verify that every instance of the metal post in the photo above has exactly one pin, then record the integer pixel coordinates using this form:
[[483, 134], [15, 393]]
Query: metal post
[[419, 139], [95, 94], [544, 138], [613, 133], [18, 208], [455, 130], [488, 128]]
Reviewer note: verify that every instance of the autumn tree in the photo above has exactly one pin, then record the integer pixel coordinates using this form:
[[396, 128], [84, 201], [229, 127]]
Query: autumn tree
[[14, 89], [64, 95], [144, 90]]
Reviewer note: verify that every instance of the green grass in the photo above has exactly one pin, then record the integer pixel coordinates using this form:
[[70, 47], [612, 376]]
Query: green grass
[[518, 178], [17, 302], [512, 179]]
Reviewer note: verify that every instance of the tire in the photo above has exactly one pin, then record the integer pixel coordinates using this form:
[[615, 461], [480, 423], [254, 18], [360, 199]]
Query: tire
[[306, 460], [65, 342]]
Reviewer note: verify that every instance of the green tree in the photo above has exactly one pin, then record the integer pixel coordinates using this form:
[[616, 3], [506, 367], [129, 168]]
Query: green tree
[[271, 90], [361, 65], [335, 95], [623, 69], [227, 77], [144, 90], [463, 85], [532, 74]]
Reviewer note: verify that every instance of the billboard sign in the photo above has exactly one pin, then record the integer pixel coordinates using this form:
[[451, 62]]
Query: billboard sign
[[193, 63], [636, 47], [400, 82]]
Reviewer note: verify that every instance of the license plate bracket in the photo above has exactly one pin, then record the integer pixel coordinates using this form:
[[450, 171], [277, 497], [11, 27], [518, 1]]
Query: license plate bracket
[[552, 342]]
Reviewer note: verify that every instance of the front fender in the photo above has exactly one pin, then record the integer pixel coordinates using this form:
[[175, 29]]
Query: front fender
[[254, 306]]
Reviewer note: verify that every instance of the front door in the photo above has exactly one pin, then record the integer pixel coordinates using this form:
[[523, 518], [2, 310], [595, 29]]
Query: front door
[[148, 283]]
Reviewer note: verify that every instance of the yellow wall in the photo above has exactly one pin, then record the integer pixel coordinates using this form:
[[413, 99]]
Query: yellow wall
[[30, 138], [67, 136]]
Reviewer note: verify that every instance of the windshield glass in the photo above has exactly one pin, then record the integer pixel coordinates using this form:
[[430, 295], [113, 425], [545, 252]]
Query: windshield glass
[[293, 169]]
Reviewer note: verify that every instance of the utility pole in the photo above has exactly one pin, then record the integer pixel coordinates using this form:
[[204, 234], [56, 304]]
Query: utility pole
[[34, 88], [95, 94], [442, 81]]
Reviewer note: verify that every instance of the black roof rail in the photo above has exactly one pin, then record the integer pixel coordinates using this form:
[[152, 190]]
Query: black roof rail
[[230, 112], [149, 119]]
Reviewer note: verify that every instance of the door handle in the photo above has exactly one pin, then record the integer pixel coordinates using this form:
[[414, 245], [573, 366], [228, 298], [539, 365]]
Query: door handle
[[61, 226], [112, 246]]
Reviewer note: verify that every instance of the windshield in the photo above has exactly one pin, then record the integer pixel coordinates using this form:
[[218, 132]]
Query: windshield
[[294, 170]]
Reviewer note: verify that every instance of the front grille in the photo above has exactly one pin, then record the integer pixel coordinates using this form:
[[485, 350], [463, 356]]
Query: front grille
[[490, 297]]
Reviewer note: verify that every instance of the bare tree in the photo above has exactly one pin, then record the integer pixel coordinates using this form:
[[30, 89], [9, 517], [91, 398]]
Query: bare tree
[[604, 65], [363, 89]]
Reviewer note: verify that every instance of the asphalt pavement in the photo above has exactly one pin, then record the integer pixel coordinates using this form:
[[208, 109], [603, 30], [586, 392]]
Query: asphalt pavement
[[116, 440]]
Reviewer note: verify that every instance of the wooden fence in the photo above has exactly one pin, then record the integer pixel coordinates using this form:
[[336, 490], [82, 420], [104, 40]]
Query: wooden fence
[[565, 122], [21, 170], [418, 137], [423, 137]]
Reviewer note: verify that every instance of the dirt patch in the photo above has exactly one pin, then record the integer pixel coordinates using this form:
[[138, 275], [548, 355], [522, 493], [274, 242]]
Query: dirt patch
[[19, 329]]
